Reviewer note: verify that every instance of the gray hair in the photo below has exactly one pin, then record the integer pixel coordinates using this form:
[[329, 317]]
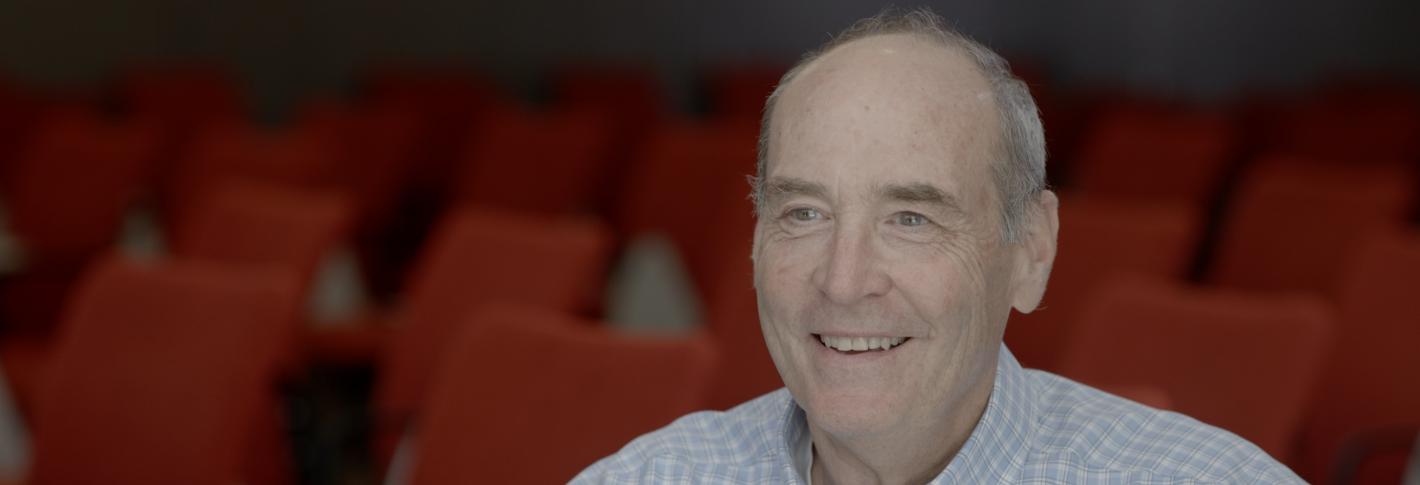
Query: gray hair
[[1019, 178]]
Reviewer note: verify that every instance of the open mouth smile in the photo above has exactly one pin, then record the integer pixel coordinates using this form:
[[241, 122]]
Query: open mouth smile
[[857, 345]]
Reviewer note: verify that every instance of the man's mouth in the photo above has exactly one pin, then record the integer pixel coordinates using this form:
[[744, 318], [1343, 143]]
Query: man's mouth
[[860, 344]]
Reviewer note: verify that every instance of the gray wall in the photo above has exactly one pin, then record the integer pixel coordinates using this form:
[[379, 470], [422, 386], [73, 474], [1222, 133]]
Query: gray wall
[[287, 50]]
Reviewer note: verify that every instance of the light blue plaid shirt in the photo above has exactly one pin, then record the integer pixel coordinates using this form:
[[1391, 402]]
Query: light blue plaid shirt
[[1038, 428]]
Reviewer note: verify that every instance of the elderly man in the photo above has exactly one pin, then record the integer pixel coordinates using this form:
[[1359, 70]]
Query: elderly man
[[902, 214]]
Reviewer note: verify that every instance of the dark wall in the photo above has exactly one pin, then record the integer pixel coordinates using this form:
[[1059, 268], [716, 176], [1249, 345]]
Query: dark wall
[[289, 50]]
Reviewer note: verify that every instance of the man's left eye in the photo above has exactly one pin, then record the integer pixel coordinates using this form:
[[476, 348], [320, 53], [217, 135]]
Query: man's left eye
[[910, 219]]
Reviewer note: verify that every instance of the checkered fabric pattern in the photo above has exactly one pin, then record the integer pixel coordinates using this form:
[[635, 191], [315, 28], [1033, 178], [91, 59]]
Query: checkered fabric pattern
[[1038, 428]]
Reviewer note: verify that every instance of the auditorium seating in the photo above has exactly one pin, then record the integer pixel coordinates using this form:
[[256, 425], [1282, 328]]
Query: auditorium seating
[[740, 90], [556, 163], [684, 175], [1101, 236], [1287, 211], [1152, 152], [238, 152], [256, 225], [182, 96], [159, 374], [1292, 218], [631, 94], [480, 256], [65, 197], [745, 370], [66, 193], [1243, 362], [1360, 122], [447, 101], [1368, 385], [531, 395]]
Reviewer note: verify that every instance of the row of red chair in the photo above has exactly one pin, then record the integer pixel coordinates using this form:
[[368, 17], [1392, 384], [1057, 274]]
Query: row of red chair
[[1247, 362], [684, 180]]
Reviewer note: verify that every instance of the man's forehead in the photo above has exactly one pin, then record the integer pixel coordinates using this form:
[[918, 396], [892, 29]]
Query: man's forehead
[[925, 67]]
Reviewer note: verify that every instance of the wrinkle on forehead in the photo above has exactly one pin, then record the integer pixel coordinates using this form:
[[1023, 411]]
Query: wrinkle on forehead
[[892, 107]]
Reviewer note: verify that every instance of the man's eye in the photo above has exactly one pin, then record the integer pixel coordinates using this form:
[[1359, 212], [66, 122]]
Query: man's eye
[[910, 219], [804, 214]]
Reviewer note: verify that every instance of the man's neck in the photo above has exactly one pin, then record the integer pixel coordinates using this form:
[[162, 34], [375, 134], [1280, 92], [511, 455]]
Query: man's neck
[[915, 454]]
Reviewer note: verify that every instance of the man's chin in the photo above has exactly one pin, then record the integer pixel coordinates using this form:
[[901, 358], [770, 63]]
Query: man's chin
[[853, 414]]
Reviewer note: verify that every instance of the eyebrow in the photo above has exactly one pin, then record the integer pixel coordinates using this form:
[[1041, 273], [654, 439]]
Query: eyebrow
[[919, 193], [780, 187]]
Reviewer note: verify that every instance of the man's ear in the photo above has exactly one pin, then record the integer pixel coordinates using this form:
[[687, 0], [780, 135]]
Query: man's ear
[[1035, 253]]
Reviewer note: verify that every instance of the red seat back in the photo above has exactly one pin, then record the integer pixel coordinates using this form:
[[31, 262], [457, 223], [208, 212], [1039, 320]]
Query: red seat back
[[478, 257], [159, 373], [549, 163], [1101, 236], [741, 90], [68, 190], [517, 376], [1155, 153], [1239, 361], [251, 224], [1292, 219], [684, 175], [1369, 381]]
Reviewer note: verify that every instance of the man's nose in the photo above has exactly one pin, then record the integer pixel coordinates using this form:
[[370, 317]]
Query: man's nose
[[852, 271]]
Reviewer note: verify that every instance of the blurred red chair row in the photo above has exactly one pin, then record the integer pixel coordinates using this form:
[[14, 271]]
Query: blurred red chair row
[[161, 373], [515, 376], [1351, 122], [557, 163], [1151, 153], [1292, 219], [479, 257], [1368, 385], [1244, 362], [65, 197], [1100, 237]]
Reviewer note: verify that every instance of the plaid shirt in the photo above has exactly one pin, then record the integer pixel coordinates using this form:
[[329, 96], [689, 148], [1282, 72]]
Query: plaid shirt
[[1038, 428]]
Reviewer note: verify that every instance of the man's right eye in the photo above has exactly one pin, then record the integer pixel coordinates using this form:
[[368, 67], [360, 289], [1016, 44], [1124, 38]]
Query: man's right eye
[[804, 214]]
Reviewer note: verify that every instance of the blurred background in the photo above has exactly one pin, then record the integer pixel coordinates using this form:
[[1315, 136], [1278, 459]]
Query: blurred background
[[441, 242]]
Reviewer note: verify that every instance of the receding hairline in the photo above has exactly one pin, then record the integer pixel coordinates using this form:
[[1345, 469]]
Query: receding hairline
[[948, 45]]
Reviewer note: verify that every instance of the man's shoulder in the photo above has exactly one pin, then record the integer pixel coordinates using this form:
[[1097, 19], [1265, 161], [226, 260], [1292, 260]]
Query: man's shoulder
[[1083, 430], [741, 445]]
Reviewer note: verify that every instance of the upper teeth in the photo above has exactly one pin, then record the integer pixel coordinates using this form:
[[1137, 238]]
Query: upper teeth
[[860, 343]]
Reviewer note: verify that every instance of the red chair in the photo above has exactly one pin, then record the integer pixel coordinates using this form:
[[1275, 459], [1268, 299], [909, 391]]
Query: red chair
[[19, 109], [66, 195], [478, 257], [684, 175], [548, 163], [516, 376], [731, 307], [1243, 362], [228, 153], [1350, 124], [1101, 236], [1368, 385], [375, 148], [255, 225], [1291, 218], [740, 91], [182, 96], [447, 101], [65, 199], [160, 374], [630, 93], [1155, 153]]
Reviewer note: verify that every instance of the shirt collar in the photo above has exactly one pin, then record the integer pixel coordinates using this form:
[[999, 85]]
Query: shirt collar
[[995, 451]]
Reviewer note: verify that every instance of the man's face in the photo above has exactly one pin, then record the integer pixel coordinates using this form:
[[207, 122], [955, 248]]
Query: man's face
[[880, 230]]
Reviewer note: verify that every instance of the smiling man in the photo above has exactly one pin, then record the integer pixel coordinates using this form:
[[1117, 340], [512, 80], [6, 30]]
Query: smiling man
[[902, 214]]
